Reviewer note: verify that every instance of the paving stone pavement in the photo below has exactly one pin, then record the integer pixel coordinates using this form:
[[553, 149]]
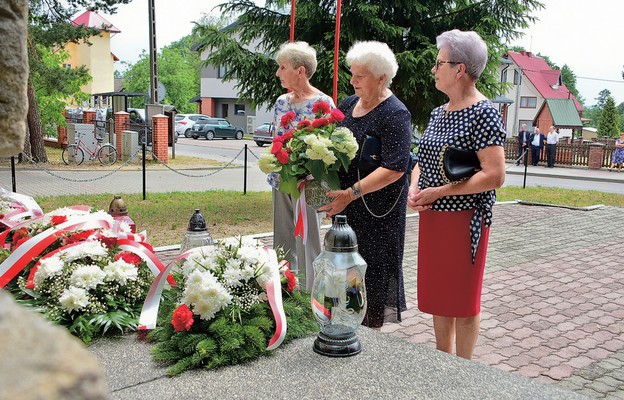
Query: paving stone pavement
[[553, 297]]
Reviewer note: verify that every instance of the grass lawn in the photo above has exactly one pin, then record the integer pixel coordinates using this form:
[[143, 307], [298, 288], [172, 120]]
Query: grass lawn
[[165, 216]]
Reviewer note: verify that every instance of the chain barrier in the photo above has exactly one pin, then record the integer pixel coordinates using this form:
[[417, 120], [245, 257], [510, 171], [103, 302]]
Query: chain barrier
[[252, 153], [517, 160], [200, 175], [49, 172]]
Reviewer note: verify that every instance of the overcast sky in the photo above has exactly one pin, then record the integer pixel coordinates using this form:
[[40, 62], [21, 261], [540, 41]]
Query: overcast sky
[[585, 35]]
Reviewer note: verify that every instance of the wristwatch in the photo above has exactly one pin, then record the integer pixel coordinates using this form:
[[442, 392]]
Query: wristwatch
[[356, 192]]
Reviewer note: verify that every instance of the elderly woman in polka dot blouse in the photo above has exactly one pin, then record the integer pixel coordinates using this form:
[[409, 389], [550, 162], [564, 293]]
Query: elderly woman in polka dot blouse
[[454, 218], [375, 202]]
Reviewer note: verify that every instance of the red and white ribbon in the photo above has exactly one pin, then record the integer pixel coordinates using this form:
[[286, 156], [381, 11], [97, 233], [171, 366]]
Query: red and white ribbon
[[274, 293], [31, 248], [27, 202], [301, 214]]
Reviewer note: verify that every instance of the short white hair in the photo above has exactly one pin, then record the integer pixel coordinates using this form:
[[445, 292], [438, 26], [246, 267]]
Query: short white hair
[[375, 57], [466, 47], [298, 54]]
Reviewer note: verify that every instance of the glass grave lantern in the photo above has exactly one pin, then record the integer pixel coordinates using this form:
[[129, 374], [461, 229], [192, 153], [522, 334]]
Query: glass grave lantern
[[197, 234], [338, 293], [118, 210]]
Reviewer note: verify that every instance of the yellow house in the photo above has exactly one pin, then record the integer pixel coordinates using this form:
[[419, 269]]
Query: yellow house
[[97, 57]]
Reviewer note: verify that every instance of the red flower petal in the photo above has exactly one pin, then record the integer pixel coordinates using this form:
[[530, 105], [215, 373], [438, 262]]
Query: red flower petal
[[337, 114], [182, 318]]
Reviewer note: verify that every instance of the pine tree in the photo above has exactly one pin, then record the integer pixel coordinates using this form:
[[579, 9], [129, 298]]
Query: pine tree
[[609, 119], [409, 27]]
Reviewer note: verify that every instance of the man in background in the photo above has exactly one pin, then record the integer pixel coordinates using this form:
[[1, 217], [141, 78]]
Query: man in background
[[523, 144], [537, 140]]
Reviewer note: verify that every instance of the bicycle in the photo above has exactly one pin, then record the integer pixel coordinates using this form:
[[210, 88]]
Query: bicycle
[[106, 153]]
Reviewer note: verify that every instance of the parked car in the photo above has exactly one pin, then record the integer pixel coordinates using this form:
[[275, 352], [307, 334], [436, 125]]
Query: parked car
[[184, 123], [264, 134], [216, 127]]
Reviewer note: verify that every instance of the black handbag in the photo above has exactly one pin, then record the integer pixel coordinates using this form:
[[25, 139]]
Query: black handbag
[[458, 164], [370, 156]]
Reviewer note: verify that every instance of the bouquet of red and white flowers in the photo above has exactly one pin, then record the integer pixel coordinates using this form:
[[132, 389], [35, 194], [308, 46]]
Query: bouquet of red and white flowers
[[221, 307], [311, 148]]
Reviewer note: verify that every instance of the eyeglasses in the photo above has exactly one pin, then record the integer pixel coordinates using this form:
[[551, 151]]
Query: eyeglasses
[[440, 62]]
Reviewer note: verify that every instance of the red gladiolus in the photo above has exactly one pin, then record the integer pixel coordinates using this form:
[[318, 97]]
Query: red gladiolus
[[292, 281], [304, 123], [282, 157], [182, 319], [128, 257], [321, 107], [337, 114], [320, 122], [277, 147], [287, 119], [58, 219]]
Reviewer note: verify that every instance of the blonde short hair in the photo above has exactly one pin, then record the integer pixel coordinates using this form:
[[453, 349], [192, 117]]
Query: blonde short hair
[[298, 54]]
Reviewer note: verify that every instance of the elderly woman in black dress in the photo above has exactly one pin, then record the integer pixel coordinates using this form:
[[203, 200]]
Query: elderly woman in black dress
[[454, 218], [375, 202]]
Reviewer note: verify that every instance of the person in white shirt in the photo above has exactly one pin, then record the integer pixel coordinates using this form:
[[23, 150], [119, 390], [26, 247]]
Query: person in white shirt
[[537, 140], [551, 146]]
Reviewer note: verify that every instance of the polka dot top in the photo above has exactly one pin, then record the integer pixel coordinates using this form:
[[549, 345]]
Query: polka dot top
[[472, 128]]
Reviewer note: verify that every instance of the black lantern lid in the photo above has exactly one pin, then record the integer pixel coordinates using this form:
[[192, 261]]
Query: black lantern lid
[[340, 238], [197, 222], [117, 207]]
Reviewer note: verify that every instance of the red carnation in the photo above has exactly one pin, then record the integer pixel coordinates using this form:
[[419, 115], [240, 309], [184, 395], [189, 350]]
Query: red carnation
[[292, 281], [287, 136], [304, 123], [282, 157], [128, 257], [109, 242], [78, 236], [320, 122], [182, 319], [321, 108], [277, 147], [287, 119], [58, 219], [18, 235], [337, 114]]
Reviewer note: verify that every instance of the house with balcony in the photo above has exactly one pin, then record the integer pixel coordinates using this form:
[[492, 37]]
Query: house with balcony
[[97, 55], [538, 98]]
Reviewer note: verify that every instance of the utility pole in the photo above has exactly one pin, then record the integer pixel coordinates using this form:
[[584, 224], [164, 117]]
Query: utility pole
[[153, 52]]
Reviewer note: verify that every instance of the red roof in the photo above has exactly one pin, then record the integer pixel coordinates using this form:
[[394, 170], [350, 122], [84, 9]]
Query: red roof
[[539, 73], [91, 19]]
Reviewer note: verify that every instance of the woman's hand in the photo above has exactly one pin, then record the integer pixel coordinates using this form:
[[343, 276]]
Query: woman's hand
[[421, 200], [341, 199]]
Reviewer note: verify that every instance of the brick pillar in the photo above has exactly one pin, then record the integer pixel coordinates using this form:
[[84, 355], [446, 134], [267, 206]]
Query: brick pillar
[[160, 140], [596, 154], [88, 117], [122, 123], [62, 132]]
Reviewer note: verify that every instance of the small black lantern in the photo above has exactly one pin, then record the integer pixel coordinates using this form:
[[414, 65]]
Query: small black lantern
[[197, 234]]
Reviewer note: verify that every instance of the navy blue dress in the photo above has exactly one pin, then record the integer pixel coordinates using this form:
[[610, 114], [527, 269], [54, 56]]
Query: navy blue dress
[[381, 240]]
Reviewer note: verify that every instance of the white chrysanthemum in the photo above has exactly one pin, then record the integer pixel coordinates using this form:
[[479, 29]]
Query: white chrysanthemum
[[74, 298], [202, 258], [87, 277], [205, 294], [268, 163], [93, 248], [269, 270], [121, 272], [101, 214], [233, 276], [240, 241], [247, 273], [124, 227], [51, 266]]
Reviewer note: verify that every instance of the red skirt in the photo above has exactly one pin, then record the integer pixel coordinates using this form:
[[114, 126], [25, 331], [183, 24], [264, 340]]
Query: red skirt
[[449, 284]]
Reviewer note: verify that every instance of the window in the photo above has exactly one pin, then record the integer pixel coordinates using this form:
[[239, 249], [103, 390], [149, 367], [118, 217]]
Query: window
[[239, 109], [68, 66], [504, 76], [528, 102], [221, 71], [517, 77], [224, 110]]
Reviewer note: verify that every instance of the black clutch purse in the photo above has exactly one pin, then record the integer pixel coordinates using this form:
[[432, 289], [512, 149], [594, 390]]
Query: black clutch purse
[[370, 157], [458, 165]]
